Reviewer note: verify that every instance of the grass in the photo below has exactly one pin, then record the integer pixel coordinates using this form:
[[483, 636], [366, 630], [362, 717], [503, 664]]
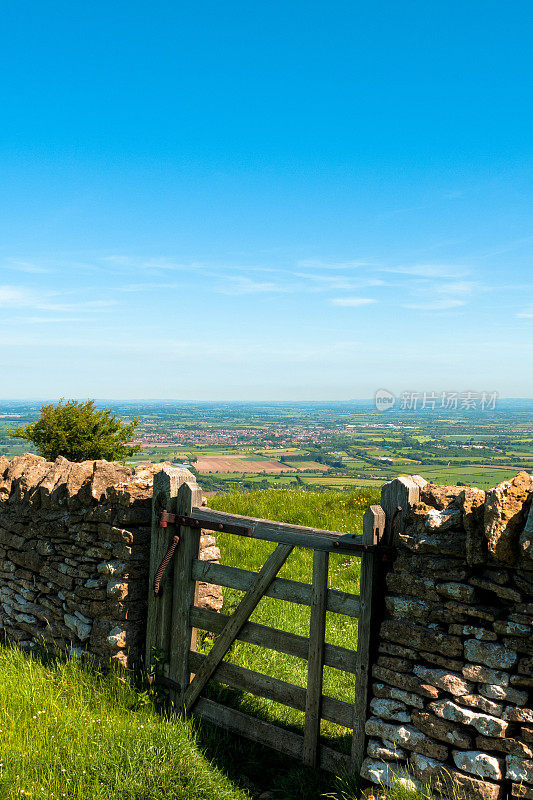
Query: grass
[[331, 510], [67, 732]]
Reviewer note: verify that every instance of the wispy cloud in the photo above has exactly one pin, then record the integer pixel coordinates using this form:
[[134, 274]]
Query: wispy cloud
[[506, 248], [15, 297], [429, 270], [296, 282], [165, 265], [49, 320], [229, 351], [239, 351], [21, 297], [526, 313], [86, 306], [352, 302], [323, 283], [442, 295], [121, 262], [313, 263], [26, 266], [437, 304], [146, 287], [460, 288], [240, 285]]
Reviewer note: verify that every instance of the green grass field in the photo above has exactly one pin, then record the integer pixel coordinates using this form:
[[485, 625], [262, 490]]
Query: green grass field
[[341, 482], [69, 733], [482, 477]]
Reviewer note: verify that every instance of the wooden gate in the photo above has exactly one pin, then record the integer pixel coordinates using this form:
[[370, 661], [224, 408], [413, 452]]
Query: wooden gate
[[173, 617]]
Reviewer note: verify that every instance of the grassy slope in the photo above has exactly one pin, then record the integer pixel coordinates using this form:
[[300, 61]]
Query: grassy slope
[[68, 733]]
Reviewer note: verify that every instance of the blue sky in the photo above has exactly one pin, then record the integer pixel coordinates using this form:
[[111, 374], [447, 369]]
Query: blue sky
[[280, 200]]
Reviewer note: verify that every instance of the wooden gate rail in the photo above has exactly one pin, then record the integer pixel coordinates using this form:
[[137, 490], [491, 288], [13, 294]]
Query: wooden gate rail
[[291, 644], [174, 616], [283, 532], [246, 680], [279, 589], [271, 735]]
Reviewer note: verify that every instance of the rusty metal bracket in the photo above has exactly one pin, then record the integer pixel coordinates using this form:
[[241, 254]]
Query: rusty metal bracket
[[167, 518], [164, 564], [346, 542]]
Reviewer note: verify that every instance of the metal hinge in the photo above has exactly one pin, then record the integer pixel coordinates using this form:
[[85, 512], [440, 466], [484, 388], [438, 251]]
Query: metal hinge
[[166, 518]]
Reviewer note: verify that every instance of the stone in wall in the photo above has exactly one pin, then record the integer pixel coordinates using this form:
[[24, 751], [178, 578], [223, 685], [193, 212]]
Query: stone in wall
[[74, 555], [505, 509], [454, 673]]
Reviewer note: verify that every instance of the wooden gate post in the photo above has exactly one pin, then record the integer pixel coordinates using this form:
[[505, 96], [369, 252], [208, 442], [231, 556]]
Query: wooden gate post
[[373, 528], [165, 493], [397, 497], [183, 636]]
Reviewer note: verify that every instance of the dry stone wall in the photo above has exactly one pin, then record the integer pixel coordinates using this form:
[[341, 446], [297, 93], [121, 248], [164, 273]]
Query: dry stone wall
[[74, 556], [451, 701]]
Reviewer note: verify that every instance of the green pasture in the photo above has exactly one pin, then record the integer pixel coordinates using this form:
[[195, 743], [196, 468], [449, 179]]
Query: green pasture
[[281, 451], [482, 478], [354, 463], [318, 480]]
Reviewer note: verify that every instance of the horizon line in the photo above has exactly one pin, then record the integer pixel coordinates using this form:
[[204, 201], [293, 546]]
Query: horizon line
[[43, 399]]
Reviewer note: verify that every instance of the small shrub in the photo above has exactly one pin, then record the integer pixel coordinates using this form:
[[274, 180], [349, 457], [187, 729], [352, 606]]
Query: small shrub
[[80, 432]]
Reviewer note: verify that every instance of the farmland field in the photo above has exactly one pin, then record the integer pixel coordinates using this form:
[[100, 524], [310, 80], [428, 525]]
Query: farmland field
[[309, 465], [319, 446], [231, 463], [235, 463]]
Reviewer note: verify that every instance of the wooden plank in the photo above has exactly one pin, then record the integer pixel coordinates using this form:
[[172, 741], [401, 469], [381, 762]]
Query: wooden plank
[[373, 528], [288, 694], [257, 730], [165, 491], [280, 588], [281, 532], [247, 605], [283, 642], [315, 663], [183, 635]]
